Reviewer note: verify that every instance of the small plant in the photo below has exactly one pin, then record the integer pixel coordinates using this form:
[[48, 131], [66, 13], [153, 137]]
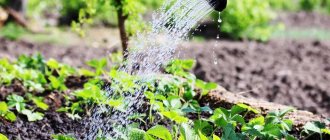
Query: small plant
[[6, 113], [316, 127]]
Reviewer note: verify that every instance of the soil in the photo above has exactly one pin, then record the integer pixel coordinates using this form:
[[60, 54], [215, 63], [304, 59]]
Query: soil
[[295, 73], [72, 55]]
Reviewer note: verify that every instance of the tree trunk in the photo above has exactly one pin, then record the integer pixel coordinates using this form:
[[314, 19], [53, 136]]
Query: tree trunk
[[18, 5], [122, 29]]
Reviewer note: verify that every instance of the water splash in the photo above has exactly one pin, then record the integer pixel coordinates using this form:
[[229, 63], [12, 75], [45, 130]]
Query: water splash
[[149, 51], [169, 27]]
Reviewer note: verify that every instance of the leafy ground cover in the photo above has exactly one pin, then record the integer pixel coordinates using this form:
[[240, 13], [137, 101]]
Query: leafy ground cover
[[32, 87]]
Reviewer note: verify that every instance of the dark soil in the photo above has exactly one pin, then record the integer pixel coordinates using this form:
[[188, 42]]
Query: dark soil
[[52, 123], [295, 73]]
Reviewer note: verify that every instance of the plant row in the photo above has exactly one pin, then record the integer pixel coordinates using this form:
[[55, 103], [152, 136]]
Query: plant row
[[173, 100]]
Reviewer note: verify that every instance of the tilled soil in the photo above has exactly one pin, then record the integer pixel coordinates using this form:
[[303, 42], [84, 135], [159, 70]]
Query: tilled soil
[[295, 73]]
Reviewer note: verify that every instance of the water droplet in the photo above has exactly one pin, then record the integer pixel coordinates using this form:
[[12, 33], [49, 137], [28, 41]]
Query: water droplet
[[219, 19], [218, 36]]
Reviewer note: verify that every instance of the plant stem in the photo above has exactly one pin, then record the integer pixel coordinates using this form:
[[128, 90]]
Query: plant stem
[[122, 29]]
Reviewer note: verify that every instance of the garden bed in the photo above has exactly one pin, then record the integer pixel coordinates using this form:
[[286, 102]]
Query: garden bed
[[289, 72]]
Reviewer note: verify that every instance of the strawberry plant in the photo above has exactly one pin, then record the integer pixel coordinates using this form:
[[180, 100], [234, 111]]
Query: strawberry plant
[[173, 109]]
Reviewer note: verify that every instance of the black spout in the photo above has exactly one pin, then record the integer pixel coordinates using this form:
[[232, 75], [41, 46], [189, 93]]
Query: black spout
[[218, 5]]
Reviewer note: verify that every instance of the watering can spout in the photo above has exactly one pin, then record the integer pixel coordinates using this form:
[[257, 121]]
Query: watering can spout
[[218, 5]]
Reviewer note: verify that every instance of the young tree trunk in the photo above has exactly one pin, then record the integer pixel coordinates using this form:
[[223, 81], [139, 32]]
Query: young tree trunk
[[18, 5], [123, 34]]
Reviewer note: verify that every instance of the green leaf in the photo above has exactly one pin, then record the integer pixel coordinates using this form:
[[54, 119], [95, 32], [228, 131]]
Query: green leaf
[[314, 127], [229, 133], [3, 108], [285, 111], [98, 65], [257, 121], [86, 72], [326, 131], [53, 64], [186, 132], [57, 83], [215, 137], [203, 126], [236, 110], [175, 102], [248, 108], [37, 116], [272, 130], [238, 118], [160, 132], [16, 101], [175, 116], [211, 86], [62, 137], [221, 122], [39, 103], [10, 116], [136, 134], [202, 136], [290, 137], [3, 137]]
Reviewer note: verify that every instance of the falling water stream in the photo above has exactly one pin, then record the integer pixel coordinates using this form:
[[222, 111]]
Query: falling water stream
[[150, 50]]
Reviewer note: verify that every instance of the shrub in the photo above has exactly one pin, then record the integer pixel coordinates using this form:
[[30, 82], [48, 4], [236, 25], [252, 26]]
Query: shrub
[[310, 5], [289, 5], [248, 19]]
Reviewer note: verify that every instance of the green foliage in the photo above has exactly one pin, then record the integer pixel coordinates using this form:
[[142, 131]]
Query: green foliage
[[6, 113], [12, 31], [316, 127], [284, 4], [310, 5], [274, 126], [38, 101], [159, 132], [98, 65], [62, 137], [172, 98], [17, 102], [32, 116], [248, 19], [3, 137]]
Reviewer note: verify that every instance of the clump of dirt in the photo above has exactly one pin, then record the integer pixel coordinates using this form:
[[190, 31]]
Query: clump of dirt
[[294, 73]]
